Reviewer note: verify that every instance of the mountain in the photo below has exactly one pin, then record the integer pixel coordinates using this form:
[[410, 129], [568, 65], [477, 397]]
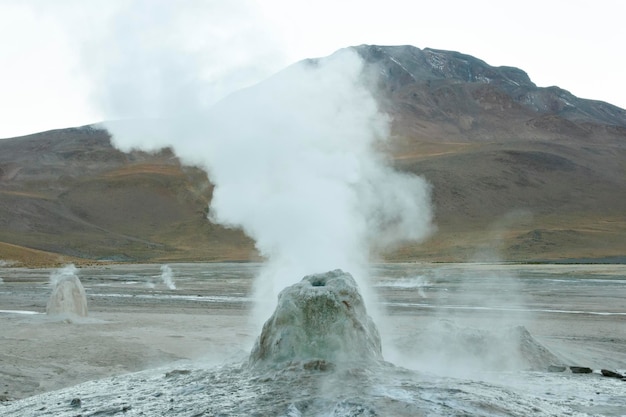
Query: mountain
[[519, 172], [73, 197]]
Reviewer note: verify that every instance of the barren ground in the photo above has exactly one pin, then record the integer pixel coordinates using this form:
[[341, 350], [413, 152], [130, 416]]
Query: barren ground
[[135, 322]]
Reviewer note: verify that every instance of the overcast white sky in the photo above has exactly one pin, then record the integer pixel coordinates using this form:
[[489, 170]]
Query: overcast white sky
[[64, 62]]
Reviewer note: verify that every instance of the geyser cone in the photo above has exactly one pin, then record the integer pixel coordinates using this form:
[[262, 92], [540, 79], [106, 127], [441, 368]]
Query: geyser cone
[[68, 297], [321, 318]]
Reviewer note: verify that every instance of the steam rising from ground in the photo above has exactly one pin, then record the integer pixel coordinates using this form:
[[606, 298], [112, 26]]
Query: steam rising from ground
[[68, 295], [59, 274], [448, 343], [167, 276], [295, 165]]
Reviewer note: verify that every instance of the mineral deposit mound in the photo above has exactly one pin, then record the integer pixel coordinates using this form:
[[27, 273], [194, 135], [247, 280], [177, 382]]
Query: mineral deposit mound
[[319, 322], [68, 297]]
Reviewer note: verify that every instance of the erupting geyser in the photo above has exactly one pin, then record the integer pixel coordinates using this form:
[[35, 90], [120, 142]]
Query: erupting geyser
[[320, 320], [68, 295]]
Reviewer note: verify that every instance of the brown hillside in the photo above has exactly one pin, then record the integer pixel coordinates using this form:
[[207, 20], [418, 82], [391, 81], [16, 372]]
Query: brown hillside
[[73, 194], [518, 172]]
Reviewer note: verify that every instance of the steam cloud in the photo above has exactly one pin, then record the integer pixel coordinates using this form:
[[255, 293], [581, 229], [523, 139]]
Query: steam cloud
[[294, 164], [68, 271], [293, 159], [167, 276]]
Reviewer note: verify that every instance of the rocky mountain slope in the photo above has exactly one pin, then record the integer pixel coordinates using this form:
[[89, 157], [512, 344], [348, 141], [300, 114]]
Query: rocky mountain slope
[[518, 173]]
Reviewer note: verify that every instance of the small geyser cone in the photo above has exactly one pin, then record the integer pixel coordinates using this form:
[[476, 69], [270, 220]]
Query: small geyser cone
[[321, 318], [68, 295]]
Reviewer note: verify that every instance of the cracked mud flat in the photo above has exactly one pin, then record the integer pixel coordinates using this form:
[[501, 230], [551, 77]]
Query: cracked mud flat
[[145, 349]]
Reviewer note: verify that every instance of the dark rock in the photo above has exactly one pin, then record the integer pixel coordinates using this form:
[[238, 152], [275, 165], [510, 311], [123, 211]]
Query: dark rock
[[611, 374], [319, 365], [76, 403], [177, 372], [580, 370], [557, 368]]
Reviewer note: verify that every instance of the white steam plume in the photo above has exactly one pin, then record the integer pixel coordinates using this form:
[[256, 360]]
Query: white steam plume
[[167, 276], [68, 271], [293, 159], [294, 164]]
